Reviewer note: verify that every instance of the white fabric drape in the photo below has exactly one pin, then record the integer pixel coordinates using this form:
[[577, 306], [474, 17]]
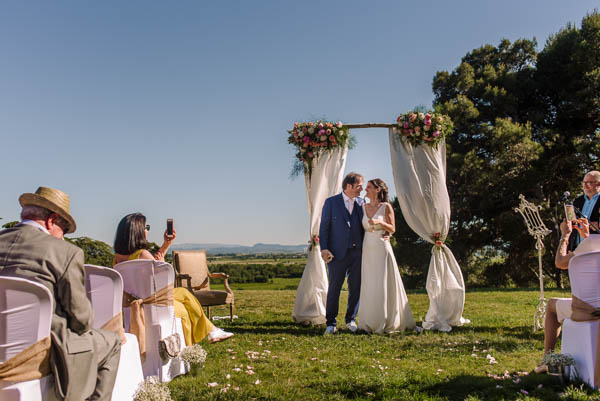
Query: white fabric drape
[[420, 179], [326, 181]]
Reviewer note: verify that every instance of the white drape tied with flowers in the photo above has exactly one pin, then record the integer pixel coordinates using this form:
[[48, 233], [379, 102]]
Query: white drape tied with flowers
[[420, 179], [325, 181]]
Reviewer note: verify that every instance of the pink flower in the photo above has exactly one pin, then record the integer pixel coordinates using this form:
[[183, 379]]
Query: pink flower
[[406, 132], [306, 139], [440, 119], [412, 117], [331, 138], [399, 119], [428, 116], [328, 132], [321, 132], [417, 129], [329, 125], [320, 125], [410, 131], [427, 122], [296, 125], [436, 133], [304, 129], [295, 135], [311, 154], [405, 125], [339, 124], [310, 123]]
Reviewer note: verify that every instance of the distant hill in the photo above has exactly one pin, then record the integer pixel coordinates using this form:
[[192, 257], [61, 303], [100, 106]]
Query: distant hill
[[242, 249]]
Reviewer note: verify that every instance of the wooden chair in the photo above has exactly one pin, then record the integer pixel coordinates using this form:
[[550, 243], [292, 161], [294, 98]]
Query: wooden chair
[[192, 267]]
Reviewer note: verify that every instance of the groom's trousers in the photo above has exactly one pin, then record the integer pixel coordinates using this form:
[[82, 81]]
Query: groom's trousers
[[338, 270]]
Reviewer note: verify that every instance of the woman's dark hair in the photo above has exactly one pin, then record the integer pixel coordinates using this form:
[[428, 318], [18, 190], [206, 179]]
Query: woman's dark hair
[[130, 234], [382, 195]]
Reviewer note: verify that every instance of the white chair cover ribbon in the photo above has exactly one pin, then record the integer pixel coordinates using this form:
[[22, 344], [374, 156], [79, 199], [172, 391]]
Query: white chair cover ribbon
[[325, 181], [420, 179]]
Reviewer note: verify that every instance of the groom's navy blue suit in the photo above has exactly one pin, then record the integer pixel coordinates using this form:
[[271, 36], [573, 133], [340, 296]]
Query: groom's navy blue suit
[[341, 233]]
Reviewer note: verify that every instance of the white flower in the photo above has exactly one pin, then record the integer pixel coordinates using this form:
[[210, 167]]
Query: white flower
[[213, 384], [152, 389], [311, 130], [194, 354], [257, 382]]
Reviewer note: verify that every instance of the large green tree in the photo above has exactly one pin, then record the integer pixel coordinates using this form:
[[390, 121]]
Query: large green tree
[[525, 123]]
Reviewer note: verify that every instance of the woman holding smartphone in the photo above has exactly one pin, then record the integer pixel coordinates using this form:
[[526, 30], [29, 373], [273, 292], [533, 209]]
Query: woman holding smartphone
[[131, 242]]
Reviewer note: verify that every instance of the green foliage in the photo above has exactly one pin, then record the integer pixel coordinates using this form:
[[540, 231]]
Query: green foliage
[[10, 224], [258, 272], [95, 252], [524, 123]]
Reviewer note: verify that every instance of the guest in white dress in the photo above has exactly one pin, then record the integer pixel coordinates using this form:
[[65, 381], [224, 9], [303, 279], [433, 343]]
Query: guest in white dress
[[383, 303]]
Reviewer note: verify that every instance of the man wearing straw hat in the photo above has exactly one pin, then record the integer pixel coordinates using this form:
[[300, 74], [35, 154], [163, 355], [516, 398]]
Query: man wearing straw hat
[[83, 360]]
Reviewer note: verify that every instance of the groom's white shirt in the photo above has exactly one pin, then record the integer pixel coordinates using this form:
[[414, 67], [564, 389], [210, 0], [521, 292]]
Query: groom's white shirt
[[349, 202]]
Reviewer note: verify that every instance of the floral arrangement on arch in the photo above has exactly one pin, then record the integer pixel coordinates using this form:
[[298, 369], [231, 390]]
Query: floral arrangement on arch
[[424, 127], [313, 137]]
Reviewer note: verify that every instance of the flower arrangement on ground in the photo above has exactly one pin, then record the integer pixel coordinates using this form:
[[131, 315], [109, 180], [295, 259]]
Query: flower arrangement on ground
[[558, 360], [195, 356], [314, 137], [423, 127], [151, 389]]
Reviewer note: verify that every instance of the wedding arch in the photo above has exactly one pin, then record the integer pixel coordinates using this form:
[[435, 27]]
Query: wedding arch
[[418, 154]]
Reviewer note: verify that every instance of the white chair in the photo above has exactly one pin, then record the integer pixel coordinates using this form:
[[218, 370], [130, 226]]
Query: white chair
[[579, 338], [104, 288], [25, 316], [137, 281]]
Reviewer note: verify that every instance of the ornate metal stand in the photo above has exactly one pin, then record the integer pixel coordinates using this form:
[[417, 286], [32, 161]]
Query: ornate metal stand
[[537, 229]]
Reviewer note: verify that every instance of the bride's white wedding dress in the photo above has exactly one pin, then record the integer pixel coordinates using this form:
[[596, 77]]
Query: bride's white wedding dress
[[383, 306]]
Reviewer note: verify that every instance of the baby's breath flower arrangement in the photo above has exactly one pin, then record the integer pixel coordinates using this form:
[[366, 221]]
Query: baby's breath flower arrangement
[[314, 137], [194, 354], [151, 389], [556, 360], [423, 128]]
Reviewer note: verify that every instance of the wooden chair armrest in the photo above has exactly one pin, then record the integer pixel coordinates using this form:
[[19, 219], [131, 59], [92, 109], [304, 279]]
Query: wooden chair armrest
[[179, 277], [224, 277]]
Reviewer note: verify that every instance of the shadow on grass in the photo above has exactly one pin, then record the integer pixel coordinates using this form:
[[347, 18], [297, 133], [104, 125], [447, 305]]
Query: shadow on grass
[[513, 388], [279, 327]]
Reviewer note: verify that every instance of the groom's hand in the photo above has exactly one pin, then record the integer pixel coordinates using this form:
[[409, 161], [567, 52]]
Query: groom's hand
[[326, 255]]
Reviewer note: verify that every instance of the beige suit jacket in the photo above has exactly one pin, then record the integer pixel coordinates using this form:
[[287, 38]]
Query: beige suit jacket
[[29, 253]]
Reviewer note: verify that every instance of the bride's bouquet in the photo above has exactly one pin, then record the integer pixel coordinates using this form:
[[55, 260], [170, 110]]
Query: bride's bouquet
[[418, 127]]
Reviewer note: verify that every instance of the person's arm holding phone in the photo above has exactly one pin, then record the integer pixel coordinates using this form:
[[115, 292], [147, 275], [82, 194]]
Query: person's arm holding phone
[[168, 239]]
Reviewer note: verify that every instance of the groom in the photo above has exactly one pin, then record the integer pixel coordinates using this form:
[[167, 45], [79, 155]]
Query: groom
[[341, 235]]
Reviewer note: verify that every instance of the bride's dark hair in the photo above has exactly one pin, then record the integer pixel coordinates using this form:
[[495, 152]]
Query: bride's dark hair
[[383, 193]]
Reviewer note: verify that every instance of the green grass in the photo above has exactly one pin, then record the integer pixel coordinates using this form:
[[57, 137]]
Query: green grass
[[294, 362]]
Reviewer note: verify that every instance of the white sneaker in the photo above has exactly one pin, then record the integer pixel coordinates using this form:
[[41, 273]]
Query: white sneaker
[[352, 326], [330, 330], [217, 335]]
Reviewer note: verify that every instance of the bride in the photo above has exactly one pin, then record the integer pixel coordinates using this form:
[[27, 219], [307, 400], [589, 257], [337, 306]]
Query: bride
[[383, 302]]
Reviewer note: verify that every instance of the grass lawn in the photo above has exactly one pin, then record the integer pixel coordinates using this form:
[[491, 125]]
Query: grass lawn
[[272, 358]]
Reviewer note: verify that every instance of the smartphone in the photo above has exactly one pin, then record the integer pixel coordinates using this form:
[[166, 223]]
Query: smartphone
[[570, 212], [170, 226]]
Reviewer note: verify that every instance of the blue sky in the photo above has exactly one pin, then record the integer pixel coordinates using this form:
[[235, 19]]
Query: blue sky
[[180, 109]]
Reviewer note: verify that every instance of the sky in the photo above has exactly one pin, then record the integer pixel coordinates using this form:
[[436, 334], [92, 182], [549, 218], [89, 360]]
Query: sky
[[180, 109]]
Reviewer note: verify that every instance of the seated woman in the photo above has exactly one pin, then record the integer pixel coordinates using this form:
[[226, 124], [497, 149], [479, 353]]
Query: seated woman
[[131, 241], [559, 309]]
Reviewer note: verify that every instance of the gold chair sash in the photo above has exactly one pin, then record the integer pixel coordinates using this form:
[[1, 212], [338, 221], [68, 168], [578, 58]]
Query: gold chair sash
[[137, 324], [30, 364], [116, 324], [581, 311]]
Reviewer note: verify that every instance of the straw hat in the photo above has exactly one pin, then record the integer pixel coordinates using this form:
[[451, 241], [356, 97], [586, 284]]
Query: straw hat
[[52, 199]]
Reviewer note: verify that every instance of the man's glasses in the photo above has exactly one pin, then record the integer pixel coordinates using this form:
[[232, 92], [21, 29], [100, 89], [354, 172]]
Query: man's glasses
[[147, 227], [590, 182]]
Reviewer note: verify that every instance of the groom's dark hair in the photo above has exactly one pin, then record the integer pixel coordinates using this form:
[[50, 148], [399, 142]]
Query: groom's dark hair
[[351, 179]]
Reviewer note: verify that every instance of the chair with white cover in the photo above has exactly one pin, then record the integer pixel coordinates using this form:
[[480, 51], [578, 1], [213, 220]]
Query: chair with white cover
[[138, 281], [580, 338], [26, 310], [104, 289]]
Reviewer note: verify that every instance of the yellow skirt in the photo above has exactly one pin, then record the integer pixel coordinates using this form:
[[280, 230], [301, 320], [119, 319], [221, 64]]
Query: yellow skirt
[[196, 325]]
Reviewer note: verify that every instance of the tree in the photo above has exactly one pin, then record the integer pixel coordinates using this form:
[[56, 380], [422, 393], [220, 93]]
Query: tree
[[524, 123], [95, 252]]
